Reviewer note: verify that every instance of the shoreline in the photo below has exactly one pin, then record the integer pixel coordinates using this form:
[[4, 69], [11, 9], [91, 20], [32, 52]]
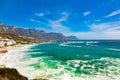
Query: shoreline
[[12, 49], [12, 54]]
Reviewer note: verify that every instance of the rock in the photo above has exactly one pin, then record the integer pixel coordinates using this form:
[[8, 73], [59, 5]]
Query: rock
[[40, 79], [11, 74], [3, 78], [2, 66], [3, 51]]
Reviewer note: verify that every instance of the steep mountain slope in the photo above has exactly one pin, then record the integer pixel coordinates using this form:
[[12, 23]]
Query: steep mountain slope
[[38, 34]]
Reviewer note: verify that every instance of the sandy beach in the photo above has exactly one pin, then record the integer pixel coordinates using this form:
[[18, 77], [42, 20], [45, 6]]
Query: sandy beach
[[12, 57], [12, 50]]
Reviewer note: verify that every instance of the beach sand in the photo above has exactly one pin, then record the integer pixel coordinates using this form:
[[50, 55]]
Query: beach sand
[[12, 53], [12, 57]]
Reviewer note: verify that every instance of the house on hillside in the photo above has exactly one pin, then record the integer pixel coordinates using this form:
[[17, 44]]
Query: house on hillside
[[6, 42]]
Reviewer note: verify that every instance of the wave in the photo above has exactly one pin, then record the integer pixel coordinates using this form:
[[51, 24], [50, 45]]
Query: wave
[[67, 76], [86, 55], [75, 41], [79, 42], [65, 44], [114, 49], [72, 42], [91, 42]]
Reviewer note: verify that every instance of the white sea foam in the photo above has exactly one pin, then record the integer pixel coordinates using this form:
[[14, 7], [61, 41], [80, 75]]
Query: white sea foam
[[114, 49], [86, 55], [82, 42], [67, 44], [111, 69], [67, 76], [12, 59], [91, 42], [75, 42]]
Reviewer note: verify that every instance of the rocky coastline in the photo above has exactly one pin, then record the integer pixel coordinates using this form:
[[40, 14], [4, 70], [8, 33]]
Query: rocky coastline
[[10, 74], [7, 73], [13, 74]]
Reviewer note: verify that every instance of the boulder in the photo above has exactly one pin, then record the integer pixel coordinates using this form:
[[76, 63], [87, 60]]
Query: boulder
[[3, 51]]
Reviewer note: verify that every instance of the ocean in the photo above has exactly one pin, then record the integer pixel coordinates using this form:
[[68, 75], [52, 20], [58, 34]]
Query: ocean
[[71, 60]]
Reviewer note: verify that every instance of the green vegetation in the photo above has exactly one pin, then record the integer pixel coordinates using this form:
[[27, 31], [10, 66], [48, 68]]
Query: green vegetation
[[10, 74], [20, 39]]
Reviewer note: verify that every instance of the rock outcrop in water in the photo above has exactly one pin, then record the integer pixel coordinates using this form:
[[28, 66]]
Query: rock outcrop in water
[[37, 34]]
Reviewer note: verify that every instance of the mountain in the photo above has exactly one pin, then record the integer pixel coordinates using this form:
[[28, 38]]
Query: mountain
[[72, 38], [37, 34]]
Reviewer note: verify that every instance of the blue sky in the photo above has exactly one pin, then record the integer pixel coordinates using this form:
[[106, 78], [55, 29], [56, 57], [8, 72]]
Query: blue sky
[[86, 19]]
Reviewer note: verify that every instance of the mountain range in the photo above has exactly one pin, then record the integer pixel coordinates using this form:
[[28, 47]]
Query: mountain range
[[33, 33]]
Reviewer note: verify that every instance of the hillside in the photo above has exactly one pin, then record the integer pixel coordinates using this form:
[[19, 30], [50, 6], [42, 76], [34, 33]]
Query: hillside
[[37, 34], [19, 39]]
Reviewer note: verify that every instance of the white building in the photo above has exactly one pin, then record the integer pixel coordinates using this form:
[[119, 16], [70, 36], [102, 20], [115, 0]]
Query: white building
[[6, 42]]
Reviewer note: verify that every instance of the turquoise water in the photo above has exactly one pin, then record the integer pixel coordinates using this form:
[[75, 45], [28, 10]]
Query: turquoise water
[[76, 58]]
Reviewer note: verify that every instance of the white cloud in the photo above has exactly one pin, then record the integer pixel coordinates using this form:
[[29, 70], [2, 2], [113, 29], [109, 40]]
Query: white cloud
[[97, 20], [97, 35], [57, 25], [113, 13], [105, 26], [40, 14], [110, 30], [32, 20], [36, 21], [86, 13]]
